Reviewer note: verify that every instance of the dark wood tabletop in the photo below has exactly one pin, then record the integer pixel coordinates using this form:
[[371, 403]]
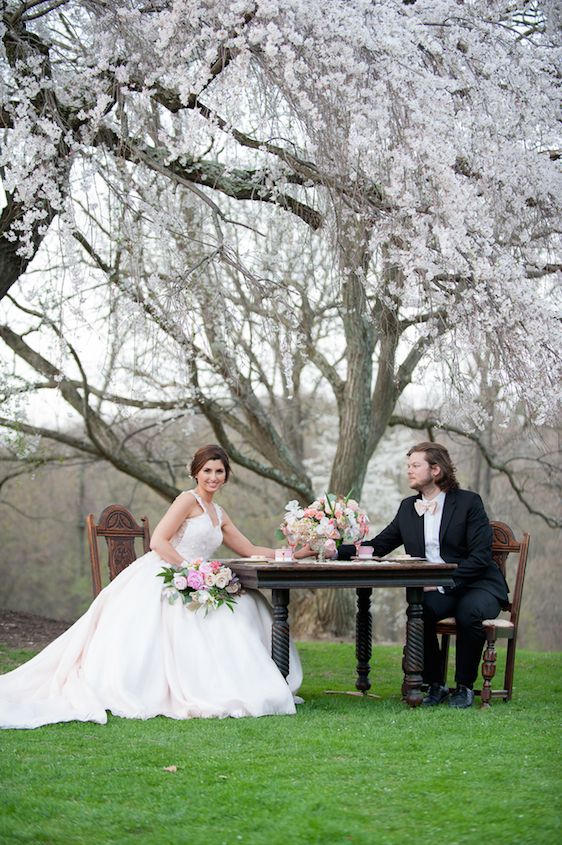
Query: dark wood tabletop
[[308, 573]]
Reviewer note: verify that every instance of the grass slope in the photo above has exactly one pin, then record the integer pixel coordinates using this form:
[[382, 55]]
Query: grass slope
[[344, 770]]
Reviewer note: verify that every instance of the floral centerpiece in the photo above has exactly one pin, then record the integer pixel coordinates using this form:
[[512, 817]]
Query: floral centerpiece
[[201, 583], [325, 524]]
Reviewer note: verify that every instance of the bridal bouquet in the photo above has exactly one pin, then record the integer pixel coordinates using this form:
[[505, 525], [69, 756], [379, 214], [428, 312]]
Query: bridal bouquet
[[201, 583], [325, 524]]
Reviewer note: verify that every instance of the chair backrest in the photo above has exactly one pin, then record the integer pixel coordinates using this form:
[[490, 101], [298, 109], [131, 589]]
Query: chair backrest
[[503, 543], [120, 530]]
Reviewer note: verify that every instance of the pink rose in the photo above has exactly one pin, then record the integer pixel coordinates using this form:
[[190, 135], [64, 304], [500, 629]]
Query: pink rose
[[194, 579], [215, 565], [205, 567]]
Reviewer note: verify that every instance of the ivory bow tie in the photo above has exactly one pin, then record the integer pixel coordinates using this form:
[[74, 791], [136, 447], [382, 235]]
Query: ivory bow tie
[[423, 506]]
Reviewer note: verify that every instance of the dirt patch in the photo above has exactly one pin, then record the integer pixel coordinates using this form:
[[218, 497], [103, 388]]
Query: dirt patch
[[24, 630]]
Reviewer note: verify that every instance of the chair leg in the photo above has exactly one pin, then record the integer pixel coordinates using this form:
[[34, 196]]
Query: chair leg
[[509, 668], [445, 640], [488, 667]]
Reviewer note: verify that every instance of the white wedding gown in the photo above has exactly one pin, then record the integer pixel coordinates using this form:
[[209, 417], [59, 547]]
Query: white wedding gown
[[137, 656]]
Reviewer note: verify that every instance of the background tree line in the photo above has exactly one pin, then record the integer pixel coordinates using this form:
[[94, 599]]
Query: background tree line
[[45, 569]]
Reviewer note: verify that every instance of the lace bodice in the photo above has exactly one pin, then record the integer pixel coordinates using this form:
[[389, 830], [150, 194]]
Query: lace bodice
[[198, 537]]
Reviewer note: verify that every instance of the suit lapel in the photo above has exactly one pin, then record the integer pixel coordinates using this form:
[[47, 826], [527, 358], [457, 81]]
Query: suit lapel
[[448, 510]]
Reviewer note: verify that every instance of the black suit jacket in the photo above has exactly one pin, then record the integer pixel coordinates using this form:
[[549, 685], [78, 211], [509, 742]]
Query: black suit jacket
[[465, 538]]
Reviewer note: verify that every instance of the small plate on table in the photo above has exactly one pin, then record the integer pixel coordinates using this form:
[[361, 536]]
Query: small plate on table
[[254, 559], [402, 559], [389, 559]]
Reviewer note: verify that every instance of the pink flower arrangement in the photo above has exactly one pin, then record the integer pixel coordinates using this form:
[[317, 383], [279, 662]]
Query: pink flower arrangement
[[325, 524], [201, 583]]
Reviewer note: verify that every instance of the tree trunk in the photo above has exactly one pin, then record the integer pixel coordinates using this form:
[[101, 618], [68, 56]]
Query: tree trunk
[[335, 609], [13, 265]]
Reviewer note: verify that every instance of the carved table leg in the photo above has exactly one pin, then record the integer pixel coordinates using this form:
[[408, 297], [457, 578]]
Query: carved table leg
[[403, 664], [413, 650], [488, 667], [280, 630], [363, 638]]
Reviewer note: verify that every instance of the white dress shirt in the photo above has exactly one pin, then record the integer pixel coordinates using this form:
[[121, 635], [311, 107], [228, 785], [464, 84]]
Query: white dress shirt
[[431, 526]]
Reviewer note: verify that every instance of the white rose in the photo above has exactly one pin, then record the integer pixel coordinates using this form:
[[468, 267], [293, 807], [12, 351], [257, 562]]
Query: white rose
[[323, 526], [293, 510], [221, 580], [210, 579], [180, 581]]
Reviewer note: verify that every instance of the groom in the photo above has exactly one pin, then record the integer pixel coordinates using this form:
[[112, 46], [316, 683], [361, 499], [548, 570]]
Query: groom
[[445, 524]]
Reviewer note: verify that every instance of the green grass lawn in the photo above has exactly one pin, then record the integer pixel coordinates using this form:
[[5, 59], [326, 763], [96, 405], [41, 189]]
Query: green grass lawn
[[343, 770]]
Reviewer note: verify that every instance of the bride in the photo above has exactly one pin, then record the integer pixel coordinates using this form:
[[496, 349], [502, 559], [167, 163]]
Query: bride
[[138, 656]]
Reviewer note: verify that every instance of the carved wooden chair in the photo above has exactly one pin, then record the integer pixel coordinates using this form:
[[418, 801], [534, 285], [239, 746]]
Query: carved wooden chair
[[120, 530], [503, 544]]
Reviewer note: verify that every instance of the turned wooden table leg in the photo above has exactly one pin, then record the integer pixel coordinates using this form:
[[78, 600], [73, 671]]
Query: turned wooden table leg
[[280, 630], [413, 650], [363, 638]]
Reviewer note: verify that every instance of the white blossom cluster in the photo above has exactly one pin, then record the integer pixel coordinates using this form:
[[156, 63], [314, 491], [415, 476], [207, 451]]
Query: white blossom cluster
[[425, 132]]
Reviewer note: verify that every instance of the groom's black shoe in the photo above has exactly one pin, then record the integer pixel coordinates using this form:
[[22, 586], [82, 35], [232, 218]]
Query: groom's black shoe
[[462, 697], [437, 693]]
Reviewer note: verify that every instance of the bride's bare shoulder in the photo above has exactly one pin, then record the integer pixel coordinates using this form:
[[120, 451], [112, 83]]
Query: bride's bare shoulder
[[184, 505], [187, 501]]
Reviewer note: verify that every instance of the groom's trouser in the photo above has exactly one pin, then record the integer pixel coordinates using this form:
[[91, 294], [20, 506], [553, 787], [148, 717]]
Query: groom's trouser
[[469, 608]]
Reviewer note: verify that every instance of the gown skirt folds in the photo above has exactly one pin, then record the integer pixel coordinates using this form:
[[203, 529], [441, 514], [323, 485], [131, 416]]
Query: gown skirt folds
[[138, 656]]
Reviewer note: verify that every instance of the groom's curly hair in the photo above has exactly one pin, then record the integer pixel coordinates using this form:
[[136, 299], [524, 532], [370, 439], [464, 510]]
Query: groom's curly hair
[[437, 455], [211, 452]]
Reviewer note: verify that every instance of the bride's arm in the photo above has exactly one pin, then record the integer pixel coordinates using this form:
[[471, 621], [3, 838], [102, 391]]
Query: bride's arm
[[182, 508], [235, 540]]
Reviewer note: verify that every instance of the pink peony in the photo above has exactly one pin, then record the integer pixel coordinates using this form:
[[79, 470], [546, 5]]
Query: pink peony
[[195, 579]]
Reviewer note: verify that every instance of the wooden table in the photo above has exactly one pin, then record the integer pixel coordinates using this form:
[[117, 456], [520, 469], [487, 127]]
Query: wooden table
[[414, 575]]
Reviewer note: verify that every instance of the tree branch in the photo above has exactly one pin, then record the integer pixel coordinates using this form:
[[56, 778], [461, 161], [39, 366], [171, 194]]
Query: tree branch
[[233, 182]]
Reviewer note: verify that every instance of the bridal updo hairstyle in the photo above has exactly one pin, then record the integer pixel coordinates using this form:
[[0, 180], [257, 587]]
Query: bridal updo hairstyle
[[437, 455], [212, 452]]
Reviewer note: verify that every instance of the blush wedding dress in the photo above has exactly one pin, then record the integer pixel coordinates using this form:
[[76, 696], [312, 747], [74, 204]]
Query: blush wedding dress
[[137, 656]]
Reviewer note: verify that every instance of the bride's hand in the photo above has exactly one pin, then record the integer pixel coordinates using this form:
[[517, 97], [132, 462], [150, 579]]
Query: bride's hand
[[305, 551]]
